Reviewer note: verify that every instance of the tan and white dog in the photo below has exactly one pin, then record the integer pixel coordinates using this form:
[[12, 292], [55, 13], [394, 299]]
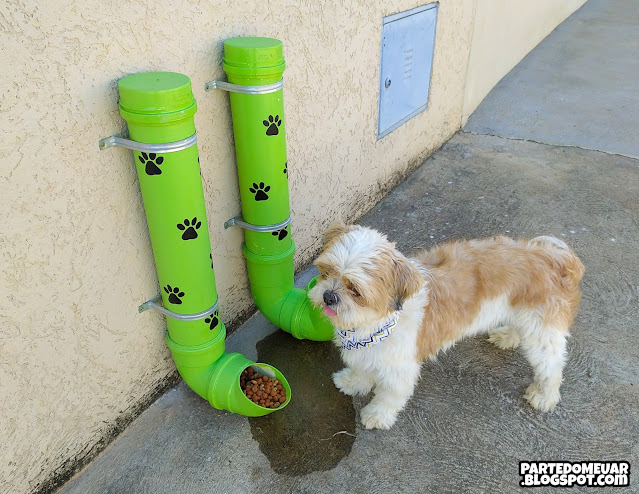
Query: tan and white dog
[[390, 312]]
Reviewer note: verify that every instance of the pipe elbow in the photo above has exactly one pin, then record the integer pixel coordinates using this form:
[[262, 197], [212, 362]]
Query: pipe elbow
[[303, 320], [215, 375], [287, 307], [195, 363]]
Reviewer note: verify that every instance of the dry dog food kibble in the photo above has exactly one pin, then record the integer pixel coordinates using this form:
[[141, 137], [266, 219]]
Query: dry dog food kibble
[[262, 390]]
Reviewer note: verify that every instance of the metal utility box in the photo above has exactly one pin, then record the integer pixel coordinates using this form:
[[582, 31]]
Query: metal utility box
[[408, 43]]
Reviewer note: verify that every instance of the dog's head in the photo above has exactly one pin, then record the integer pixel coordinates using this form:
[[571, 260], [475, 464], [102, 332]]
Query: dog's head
[[363, 277]]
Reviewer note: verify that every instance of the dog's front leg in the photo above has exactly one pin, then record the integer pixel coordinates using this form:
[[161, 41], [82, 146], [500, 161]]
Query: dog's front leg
[[394, 387], [353, 381]]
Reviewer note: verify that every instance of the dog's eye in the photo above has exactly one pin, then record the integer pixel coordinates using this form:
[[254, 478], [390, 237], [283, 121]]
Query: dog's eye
[[355, 292]]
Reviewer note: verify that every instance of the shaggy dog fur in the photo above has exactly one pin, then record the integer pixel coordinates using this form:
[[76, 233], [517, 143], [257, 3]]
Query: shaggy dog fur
[[523, 293]]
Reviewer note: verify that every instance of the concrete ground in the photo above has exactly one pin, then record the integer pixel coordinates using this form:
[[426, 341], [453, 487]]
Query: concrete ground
[[554, 164], [579, 88]]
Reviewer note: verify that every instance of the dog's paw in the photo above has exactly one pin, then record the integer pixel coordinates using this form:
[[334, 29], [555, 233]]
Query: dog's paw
[[349, 383], [542, 399], [376, 416], [506, 340]]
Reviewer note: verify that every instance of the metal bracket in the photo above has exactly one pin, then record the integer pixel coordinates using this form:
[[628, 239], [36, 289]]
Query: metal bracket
[[166, 147], [237, 221], [151, 304], [236, 88]]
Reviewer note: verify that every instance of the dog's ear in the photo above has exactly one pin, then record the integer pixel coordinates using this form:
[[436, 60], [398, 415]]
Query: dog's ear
[[335, 230], [407, 281]]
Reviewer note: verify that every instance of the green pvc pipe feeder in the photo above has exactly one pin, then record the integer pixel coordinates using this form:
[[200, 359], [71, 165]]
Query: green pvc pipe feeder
[[158, 108], [254, 67]]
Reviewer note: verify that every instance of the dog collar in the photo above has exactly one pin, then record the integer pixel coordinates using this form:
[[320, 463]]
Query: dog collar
[[350, 341]]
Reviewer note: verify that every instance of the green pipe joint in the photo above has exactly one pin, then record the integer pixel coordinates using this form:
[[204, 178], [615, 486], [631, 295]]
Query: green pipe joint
[[158, 108], [254, 67]]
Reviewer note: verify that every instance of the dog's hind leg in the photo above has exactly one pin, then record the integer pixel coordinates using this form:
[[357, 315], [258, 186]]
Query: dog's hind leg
[[545, 349], [504, 337]]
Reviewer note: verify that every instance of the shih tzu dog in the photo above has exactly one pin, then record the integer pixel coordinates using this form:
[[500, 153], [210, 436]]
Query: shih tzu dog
[[391, 312]]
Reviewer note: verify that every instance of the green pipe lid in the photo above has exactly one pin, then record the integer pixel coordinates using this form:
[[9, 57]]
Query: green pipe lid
[[253, 56], [156, 93]]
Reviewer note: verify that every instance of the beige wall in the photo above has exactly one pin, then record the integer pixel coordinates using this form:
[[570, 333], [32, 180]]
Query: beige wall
[[76, 359], [504, 32]]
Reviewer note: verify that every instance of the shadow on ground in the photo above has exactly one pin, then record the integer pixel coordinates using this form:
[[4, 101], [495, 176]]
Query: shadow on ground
[[316, 429]]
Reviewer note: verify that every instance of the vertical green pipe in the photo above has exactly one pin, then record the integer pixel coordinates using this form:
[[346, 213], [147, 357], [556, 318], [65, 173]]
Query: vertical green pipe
[[159, 108], [259, 128]]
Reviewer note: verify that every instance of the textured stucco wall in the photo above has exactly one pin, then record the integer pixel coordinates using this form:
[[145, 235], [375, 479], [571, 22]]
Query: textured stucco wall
[[504, 32], [76, 358]]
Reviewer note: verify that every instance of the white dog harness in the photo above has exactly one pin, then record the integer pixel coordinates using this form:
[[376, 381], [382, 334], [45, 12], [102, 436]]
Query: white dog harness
[[351, 342]]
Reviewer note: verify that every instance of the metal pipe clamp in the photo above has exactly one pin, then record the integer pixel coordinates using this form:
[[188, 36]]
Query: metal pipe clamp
[[237, 221], [166, 147], [237, 88], [151, 304]]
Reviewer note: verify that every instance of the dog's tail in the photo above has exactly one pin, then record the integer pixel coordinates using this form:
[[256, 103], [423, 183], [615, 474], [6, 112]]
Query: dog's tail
[[570, 266]]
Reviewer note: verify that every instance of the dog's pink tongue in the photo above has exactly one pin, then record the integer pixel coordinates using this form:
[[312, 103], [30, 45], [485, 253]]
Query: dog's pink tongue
[[328, 311]]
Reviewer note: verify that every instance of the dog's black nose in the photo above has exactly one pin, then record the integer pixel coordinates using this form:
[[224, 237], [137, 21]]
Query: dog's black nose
[[330, 298]]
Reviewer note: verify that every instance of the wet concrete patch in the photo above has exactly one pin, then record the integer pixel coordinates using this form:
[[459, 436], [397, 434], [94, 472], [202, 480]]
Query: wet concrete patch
[[316, 429]]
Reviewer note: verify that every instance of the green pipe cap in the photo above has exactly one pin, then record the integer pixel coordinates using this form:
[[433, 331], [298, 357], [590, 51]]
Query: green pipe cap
[[156, 97], [253, 56]]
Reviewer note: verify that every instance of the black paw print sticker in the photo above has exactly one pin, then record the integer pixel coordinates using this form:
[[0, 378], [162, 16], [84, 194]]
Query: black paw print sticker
[[286, 169], [213, 320], [151, 161], [174, 294], [280, 234], [260, 191], [273, 125], [189, 228]]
